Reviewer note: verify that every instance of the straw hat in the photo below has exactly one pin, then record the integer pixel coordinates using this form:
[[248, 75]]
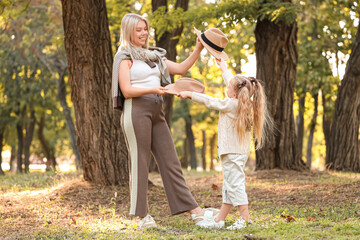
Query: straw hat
[[185, 84], [214, 41]]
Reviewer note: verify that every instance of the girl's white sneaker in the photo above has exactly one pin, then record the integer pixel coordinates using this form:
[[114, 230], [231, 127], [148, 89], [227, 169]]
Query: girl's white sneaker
[[147, 222], [239, 224]]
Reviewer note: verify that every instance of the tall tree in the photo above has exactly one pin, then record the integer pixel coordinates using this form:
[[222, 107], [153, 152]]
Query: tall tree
[[88, 46], [343, 151], [1, 148], [311, 131], [167, 37], [276, 57]]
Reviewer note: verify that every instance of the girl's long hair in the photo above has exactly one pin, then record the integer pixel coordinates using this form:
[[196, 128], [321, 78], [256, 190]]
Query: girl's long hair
[[252, 110], [128, 28]]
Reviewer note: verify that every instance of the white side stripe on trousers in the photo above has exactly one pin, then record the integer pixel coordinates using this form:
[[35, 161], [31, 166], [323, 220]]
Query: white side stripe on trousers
[[133, 151]]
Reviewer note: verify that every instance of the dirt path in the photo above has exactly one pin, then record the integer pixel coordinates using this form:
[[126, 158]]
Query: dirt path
[[64, 204]]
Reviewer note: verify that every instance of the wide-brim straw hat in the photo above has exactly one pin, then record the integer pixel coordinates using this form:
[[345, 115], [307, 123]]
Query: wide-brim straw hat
[[215, 41], [185, 84]]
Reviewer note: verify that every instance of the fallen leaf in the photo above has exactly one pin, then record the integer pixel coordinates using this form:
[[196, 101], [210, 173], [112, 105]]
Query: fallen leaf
[[214, 186], [312, 219], [288, 218], [49, 222], [74, 220]]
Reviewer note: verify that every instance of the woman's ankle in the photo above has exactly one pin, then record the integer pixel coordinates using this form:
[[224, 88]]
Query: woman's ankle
[[196, 210]]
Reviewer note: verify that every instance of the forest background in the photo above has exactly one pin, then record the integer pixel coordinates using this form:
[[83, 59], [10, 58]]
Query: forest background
[[37, 112], [56, 116]]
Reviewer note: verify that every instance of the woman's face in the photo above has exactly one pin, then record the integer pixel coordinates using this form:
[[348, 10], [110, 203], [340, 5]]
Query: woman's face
[[141, 34]]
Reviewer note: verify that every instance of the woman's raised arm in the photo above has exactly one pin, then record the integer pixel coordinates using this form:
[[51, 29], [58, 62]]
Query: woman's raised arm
[[183, 67]]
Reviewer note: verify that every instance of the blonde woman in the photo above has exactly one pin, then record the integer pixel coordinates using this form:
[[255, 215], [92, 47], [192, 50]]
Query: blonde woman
[[242, 110], [140, 73]]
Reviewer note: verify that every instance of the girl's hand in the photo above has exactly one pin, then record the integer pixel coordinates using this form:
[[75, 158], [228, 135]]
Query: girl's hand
[[159, 90], [222, 64], [199, 45], [185, 94]]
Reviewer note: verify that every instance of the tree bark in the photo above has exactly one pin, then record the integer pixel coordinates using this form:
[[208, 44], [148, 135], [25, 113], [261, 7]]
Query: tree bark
[[1, 148], [48, 149], [20, 136], [212, 147], [12, 157], [203, 150], [100, 140], [69, 121], [191, 141], [300, 127], [311, 131], [276, 56], [326, 124], [28, 139], [343, 151], [184, 160], [168, 41]]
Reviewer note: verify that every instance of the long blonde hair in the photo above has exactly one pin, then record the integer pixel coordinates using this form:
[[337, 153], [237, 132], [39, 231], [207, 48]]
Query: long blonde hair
[[252, 110], [128, 28]]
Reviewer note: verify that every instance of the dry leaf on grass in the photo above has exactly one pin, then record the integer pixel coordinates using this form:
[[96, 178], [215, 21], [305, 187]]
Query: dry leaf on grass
[[288, 218]]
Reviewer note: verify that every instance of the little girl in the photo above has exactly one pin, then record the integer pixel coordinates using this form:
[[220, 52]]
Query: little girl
[[244, 109]]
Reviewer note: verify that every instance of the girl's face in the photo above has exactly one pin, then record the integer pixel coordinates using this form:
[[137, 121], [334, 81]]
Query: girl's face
[[230, 90], [141, 34]]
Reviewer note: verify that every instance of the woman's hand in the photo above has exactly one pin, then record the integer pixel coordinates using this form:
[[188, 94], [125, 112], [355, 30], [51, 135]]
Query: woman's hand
[[222, 64], [185, 94], [159, 90], [199, 46]]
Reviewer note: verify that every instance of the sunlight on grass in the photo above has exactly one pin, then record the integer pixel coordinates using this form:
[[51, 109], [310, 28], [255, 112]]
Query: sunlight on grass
[[61, 216], [33, 180]]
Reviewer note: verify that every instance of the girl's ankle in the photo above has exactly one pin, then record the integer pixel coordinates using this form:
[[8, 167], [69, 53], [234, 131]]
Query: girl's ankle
[[218, 220]]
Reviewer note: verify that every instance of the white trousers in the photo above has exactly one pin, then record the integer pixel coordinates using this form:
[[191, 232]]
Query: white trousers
[[233, 189]]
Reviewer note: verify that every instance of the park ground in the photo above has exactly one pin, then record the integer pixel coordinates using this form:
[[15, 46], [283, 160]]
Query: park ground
[[283, 205]]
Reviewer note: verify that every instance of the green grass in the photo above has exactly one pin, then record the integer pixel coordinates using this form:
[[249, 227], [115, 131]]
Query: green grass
[[12, 182], [340, 220], [331, 223]]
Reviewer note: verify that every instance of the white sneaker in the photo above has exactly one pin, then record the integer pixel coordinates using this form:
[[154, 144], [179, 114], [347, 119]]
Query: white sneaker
[[147, 222], [207, 220], [239, 224]]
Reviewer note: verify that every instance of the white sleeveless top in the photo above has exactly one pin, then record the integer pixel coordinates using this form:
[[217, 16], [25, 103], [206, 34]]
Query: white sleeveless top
[[143, 76]]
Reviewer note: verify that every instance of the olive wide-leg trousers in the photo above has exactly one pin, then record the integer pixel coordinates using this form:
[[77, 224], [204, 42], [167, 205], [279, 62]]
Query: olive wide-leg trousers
[[146, 131]]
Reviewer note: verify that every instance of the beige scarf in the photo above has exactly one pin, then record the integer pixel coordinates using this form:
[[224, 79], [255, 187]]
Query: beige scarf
[[142, 54]]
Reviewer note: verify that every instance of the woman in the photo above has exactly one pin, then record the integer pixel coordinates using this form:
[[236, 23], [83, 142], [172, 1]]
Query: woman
[[141, 72]]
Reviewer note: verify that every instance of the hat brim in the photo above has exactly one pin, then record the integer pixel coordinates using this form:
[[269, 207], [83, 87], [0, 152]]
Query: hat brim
[[216, 54], [170, 89]]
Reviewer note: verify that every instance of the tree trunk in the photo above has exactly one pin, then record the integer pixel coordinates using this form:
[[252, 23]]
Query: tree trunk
[[203, 150], [343, 151], [168, 41], [212, 147], [20, 136], [28, 140], [69, 121], [100, 140], [1, 149], [153, 166], [276, 57], [311, 131], [300, 127], [12, 157], [48, 150], [190, 137], [326, 122], [189, 134], [184, 160]]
